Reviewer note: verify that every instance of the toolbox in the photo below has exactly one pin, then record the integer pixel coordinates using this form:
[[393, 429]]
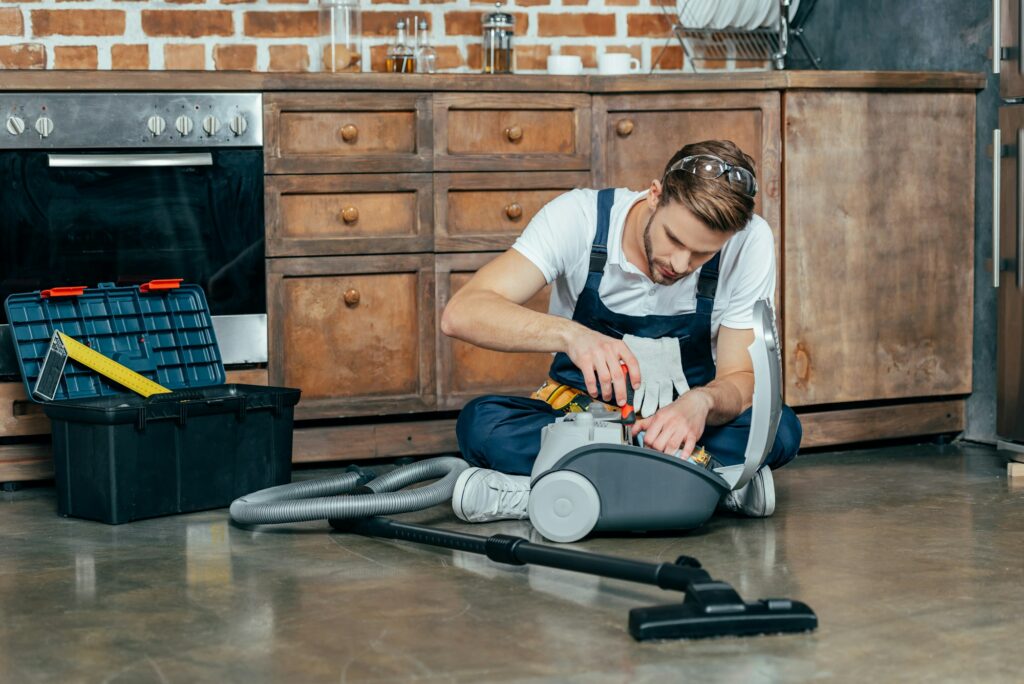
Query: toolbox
[[120, 456]]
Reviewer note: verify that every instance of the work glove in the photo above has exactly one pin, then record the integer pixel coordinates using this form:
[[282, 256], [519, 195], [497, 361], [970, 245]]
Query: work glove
[[661, 370]]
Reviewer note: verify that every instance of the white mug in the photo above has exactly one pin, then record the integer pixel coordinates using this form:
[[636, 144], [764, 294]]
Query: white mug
[[612, 63], [565, 65]]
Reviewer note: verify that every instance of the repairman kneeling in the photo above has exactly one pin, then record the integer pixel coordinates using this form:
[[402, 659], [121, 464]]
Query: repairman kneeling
[[661, 282]]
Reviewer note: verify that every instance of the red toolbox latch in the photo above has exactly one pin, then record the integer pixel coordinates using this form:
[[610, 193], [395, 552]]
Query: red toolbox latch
[[70, 291], [160, 285]]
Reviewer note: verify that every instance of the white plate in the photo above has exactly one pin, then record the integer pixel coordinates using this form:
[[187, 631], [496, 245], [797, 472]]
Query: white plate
[[772, 19], [724, 14], [697, 13], [793, 4], [746, 10], [761, 10]]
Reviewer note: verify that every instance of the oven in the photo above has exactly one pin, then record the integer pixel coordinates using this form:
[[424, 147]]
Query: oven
[[129, 187]]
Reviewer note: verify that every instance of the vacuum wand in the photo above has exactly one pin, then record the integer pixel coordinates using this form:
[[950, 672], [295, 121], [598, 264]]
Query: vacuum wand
[[711, 608]]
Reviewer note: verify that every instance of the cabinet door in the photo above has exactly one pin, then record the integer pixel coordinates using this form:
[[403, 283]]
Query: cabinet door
[[478, 211], [1011, 69], [465, 370], [327, 215], [506, 132], [1010, 262], [355, 334], [636, 135], [879, 244], [347, 132]]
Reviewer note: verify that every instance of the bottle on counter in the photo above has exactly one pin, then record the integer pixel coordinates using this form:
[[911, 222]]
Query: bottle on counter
[[400, 58], [426, 55]]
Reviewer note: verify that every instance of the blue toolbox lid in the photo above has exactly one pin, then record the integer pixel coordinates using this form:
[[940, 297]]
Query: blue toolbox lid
[[161, 329]]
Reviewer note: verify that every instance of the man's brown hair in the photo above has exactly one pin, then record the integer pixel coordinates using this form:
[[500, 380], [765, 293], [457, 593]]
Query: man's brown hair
[[714, 201]]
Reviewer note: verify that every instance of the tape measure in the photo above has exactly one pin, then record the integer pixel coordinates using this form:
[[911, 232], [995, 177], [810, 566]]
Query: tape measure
[[63, 347]]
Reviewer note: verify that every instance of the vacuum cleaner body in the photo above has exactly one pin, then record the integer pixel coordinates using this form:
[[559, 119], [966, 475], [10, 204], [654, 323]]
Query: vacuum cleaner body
[[589, 477]]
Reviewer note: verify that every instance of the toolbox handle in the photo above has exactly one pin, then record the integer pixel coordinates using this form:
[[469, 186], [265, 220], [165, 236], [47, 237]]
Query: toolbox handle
[[70, 291], [161, 285]]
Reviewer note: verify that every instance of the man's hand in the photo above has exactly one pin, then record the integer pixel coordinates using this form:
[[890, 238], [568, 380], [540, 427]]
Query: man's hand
[[678, 425], [599, 358]]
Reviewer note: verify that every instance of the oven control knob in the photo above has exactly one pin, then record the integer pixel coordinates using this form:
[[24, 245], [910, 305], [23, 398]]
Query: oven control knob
[[44, 126], [238, 124], [15, 125], [183, 124], [156, 125], [211, 125]]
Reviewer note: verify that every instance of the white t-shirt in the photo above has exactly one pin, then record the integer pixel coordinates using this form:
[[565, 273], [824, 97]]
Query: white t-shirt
[[558, 242]]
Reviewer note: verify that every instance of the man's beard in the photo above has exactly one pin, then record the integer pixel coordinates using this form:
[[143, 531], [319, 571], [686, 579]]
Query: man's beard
[[649, 252]]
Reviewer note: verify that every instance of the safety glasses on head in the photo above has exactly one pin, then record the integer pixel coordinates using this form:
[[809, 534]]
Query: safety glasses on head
[[710, 166]]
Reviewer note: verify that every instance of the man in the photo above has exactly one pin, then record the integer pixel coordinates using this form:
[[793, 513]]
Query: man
[[661, 283]]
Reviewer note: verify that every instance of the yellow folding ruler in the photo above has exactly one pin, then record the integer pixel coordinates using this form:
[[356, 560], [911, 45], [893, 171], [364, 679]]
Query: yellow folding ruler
[[63, 347]]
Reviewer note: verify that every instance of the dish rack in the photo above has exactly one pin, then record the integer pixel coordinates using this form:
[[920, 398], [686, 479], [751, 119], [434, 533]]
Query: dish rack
[[731, 44]]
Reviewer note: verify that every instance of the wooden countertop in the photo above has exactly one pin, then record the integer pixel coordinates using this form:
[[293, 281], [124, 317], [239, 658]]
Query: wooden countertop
[[268, 82]]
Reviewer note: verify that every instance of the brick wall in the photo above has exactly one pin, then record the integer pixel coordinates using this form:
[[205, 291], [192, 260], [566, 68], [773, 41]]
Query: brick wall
[[280, 35]]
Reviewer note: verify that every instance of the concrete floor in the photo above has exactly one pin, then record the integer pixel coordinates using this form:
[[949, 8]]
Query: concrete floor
[[913, 558]]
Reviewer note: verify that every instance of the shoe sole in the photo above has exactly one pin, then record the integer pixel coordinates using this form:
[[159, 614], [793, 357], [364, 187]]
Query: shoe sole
[[769, 492], [459, 492]]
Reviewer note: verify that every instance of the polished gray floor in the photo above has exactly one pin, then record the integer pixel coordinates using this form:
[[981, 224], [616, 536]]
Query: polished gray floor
[[913, 558]]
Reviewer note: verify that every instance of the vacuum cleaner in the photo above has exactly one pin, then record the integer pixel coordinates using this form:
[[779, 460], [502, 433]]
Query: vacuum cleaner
[[588, 477]]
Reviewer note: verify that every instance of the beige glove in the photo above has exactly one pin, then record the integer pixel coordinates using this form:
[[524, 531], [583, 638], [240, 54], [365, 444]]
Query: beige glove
[[661, 371]]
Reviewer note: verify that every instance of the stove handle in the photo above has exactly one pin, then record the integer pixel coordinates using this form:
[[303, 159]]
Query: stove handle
[[100, 161]]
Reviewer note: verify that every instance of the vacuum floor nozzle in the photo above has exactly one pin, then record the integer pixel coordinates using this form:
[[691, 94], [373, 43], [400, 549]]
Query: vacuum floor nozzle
[[693, 620]]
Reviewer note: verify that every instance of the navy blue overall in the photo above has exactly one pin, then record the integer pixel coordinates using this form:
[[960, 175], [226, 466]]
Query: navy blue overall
[[503, 432]]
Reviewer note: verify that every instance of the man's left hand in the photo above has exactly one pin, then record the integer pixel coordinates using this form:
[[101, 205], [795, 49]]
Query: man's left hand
[[678, 425]]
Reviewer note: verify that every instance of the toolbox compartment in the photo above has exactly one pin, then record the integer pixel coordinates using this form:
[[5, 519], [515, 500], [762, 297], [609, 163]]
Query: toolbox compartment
[[119, 456]]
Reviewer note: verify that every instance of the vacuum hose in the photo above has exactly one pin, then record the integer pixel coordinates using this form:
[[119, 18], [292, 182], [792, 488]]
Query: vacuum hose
[[319, 500]]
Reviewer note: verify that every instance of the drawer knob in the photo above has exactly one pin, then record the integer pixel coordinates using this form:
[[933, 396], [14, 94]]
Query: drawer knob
[[514, 133], [513, 211], [624, 127], [349, 214], [351, 297], [349, 132]]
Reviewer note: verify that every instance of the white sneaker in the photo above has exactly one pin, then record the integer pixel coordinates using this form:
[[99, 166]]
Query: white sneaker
[[483, 495], [756, 499]]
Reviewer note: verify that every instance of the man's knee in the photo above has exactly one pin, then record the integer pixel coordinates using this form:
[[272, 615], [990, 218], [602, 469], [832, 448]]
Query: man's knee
[[473, 433], [787, 439]]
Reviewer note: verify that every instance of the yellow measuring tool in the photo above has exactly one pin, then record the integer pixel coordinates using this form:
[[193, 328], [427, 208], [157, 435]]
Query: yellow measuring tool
[[63, 347]]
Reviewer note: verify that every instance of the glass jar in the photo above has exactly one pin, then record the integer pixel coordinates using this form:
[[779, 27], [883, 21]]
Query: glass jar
[[498, 28], [341, 31]]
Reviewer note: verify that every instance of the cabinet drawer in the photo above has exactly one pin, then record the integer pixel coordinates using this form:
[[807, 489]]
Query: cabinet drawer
[[512, 132], [466, 371], [356, 334], [19, 415], [350, 133], [325, 215], [478, 211]]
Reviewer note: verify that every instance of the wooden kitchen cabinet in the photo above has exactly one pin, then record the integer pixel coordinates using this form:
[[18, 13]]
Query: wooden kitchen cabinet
[[356, 334], [879, 245], [488, 211], [635, 135], [347, 133], [511, 132], [322, 215], [466, 371]]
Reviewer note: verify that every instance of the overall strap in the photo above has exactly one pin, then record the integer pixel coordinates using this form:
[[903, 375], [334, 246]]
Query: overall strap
[[599, 251], [707, 285]]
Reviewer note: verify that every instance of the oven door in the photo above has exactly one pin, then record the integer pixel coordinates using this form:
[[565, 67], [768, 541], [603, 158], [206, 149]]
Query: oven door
[[82, 218]]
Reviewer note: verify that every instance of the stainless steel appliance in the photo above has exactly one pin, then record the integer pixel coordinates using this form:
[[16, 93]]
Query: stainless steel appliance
[[130, 187], [1008, 223]]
